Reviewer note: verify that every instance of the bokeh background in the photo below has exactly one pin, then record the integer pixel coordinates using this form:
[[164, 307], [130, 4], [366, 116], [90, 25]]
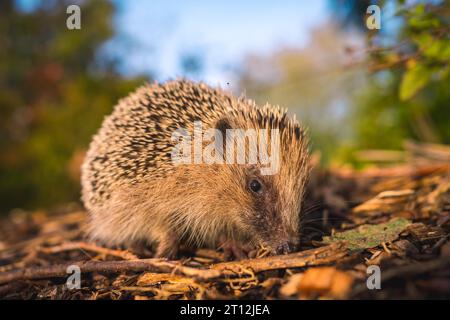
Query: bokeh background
[[355, 88]]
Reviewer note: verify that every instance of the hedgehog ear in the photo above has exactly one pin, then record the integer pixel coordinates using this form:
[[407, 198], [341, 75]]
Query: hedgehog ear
[[223, 124]]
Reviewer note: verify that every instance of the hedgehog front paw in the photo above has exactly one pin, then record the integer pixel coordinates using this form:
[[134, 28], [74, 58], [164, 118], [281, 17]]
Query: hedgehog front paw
[[232, 249], [168, 246]]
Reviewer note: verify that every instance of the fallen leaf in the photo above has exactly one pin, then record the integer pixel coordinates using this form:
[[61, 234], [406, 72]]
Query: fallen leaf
[[370, 236], [425, 234], [386, 202], [291, 287], [326, 282]]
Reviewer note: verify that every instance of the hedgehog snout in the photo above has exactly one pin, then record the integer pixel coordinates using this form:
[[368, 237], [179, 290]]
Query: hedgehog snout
[[281, 243], [284, 247]]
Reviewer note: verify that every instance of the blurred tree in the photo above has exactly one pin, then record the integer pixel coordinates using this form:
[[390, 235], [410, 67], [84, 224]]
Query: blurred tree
[[54, 91], [408, 94], [389, 85], [313, 82]]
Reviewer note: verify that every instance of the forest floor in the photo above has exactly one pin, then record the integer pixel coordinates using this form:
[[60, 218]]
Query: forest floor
[[388, 221]]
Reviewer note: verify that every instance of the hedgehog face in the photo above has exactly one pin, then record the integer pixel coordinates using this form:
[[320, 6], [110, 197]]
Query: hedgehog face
[[265, 211], [266, 218], [269, 206]]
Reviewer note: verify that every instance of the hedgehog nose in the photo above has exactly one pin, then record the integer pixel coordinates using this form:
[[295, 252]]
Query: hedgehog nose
[[283, 248]]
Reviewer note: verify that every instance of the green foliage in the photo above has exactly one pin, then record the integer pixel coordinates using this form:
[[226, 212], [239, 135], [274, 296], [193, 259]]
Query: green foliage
[[395, 88], [413, 80], [54, 93], [408, 98], [425, 30], [370, 236]]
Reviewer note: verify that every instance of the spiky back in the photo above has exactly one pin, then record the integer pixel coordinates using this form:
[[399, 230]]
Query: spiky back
[[134, 142]]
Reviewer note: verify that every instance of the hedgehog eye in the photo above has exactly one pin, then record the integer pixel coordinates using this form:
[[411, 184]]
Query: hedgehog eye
[[255, 186]]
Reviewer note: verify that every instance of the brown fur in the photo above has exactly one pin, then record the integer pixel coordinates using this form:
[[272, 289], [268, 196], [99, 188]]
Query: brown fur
[[135, 194]]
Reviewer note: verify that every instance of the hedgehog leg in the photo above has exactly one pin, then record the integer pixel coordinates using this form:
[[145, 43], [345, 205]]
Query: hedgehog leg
[[168, 245], [142, 249], [233, 249]]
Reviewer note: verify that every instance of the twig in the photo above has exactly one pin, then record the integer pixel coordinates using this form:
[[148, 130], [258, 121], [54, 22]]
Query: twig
[[31, 243], [322, 255], [153, 265], [311, 257], [68, 246]]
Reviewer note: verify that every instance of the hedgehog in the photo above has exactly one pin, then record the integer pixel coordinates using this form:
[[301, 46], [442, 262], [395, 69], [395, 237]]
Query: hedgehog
[[137, 195]]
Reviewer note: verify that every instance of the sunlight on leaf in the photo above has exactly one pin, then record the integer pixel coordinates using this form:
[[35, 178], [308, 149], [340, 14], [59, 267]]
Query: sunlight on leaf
[[369, 236], [413, 80]]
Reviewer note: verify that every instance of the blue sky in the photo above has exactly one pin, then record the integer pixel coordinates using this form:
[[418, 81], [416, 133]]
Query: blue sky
[[158, 33], [153, 35], [221, 32]]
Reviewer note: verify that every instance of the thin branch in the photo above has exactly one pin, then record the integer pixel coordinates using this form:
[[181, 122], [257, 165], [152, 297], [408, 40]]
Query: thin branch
[[322, 255], [319, 256], [69, 246]]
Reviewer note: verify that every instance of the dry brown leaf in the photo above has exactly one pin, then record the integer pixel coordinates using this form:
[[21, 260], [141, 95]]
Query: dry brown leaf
[[387, 202], [425, 234], [291, 287], [149, 278], [326, 282], [170, 284]]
